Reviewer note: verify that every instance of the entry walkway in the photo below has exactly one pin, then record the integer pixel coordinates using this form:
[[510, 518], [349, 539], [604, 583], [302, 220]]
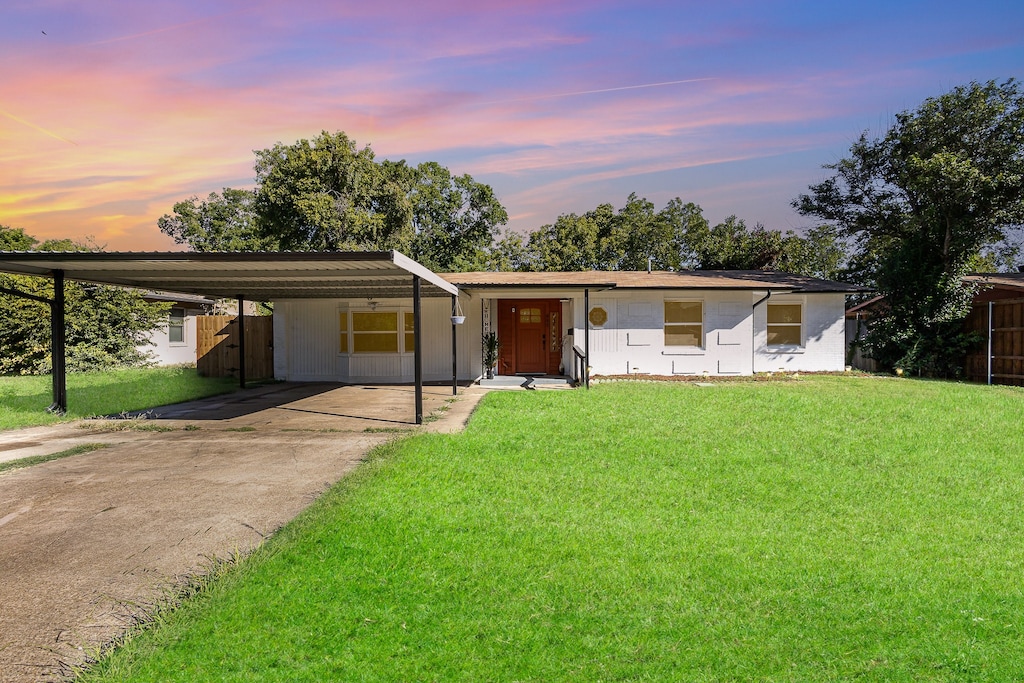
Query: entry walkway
[[89, 542]]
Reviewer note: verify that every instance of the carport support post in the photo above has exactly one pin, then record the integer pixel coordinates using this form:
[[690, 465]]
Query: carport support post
[[58, 365], [241, 341], [586, 338], [455, 364], [417, 348]]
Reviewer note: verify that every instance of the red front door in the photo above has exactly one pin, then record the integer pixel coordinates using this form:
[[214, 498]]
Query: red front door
[[529, 331], [531, 340]]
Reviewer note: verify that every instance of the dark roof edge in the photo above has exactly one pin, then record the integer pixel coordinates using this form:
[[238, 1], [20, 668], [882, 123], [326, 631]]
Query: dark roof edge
[[240, 256]]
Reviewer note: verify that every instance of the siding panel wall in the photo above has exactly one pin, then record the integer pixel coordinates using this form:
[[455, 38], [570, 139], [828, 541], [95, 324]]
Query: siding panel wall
[[312, 345], [307, 344]]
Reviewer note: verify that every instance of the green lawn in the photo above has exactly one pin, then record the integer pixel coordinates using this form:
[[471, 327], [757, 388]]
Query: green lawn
[[23, 400], [823, 529]]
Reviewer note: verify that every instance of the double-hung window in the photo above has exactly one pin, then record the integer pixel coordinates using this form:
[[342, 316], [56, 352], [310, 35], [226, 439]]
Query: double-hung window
[[176, 326], [785, 325], [684, 323]]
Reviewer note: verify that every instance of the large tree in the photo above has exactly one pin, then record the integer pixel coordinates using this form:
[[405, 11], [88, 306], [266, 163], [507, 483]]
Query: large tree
[[328, 194], [222, 222], [105, 326], [454, 218], [570, 243], [922, 203]]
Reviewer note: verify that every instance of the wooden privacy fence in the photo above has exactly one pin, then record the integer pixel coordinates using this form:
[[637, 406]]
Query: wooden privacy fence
[[217, 346], [1007, 346]]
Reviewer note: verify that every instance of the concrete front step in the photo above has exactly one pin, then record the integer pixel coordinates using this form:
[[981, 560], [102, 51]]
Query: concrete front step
[[528, 382]]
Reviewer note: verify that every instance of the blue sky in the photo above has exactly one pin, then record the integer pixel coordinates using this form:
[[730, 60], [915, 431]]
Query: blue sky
[[122, 108]]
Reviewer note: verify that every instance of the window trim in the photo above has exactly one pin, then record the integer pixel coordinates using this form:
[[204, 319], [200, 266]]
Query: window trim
[[800, 325], [183, 325], [346, 333], [702, 342]]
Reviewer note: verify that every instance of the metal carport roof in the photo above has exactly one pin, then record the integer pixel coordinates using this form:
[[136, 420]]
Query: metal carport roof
[[255, 276]]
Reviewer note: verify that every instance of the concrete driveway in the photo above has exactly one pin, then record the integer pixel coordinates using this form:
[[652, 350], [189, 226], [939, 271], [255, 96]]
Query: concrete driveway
[[89, 542]]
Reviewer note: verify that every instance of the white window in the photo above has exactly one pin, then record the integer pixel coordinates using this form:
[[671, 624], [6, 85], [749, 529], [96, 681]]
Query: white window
[[785, 324], [176, 326], [684, 323]]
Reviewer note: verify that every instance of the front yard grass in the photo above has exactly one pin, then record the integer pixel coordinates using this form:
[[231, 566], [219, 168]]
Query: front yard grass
[[820, 529], [23, 400]]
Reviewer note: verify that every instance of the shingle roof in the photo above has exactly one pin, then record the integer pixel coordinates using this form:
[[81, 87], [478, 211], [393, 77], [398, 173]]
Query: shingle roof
[[659, 279], [1003, 280]]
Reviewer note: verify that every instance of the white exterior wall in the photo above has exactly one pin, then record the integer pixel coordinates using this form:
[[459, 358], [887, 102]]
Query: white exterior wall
[[734, 335], [823, 334], [163, 352], [632, 341], [307, 343]]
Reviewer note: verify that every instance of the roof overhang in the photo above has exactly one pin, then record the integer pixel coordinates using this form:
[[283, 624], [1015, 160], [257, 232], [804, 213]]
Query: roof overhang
[[721, 280], [256, 276]]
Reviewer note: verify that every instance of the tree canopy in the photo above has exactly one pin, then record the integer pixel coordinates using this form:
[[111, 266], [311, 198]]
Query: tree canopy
[[222, 222], [105, 326], [676, 237], [921, 204], [328, 194], [455, 219]]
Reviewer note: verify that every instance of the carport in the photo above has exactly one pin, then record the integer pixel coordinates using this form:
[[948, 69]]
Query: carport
[[244, 276]]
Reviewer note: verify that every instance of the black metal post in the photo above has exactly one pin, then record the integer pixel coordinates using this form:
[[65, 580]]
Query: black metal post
[[241, 341], [57, 341], [417, 347], [455, 358], [586, 338]]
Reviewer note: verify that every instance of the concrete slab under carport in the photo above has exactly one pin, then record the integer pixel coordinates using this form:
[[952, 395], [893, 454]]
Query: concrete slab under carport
[[88, 541], [309, 405]]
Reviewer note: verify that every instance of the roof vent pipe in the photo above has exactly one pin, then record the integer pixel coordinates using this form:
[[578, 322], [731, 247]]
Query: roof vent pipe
[[650, 260]]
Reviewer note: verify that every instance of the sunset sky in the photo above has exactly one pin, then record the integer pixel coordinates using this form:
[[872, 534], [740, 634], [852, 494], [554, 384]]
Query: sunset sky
[[110, 112]]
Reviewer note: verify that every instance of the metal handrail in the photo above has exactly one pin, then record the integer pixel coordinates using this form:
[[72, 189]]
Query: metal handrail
[[580, 364]]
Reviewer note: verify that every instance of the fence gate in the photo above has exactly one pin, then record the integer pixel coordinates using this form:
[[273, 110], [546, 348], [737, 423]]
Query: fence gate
[[1007, 342], [217, 346]]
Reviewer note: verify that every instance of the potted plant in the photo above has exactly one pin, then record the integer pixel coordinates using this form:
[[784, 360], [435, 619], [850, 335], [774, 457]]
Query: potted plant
[[490, 353]]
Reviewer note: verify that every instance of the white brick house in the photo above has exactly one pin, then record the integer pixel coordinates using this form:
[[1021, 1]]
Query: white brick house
[[661, 323]]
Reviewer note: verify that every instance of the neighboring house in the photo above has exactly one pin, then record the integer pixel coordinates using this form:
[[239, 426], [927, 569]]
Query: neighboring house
[[629, 323], [174, 343]]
